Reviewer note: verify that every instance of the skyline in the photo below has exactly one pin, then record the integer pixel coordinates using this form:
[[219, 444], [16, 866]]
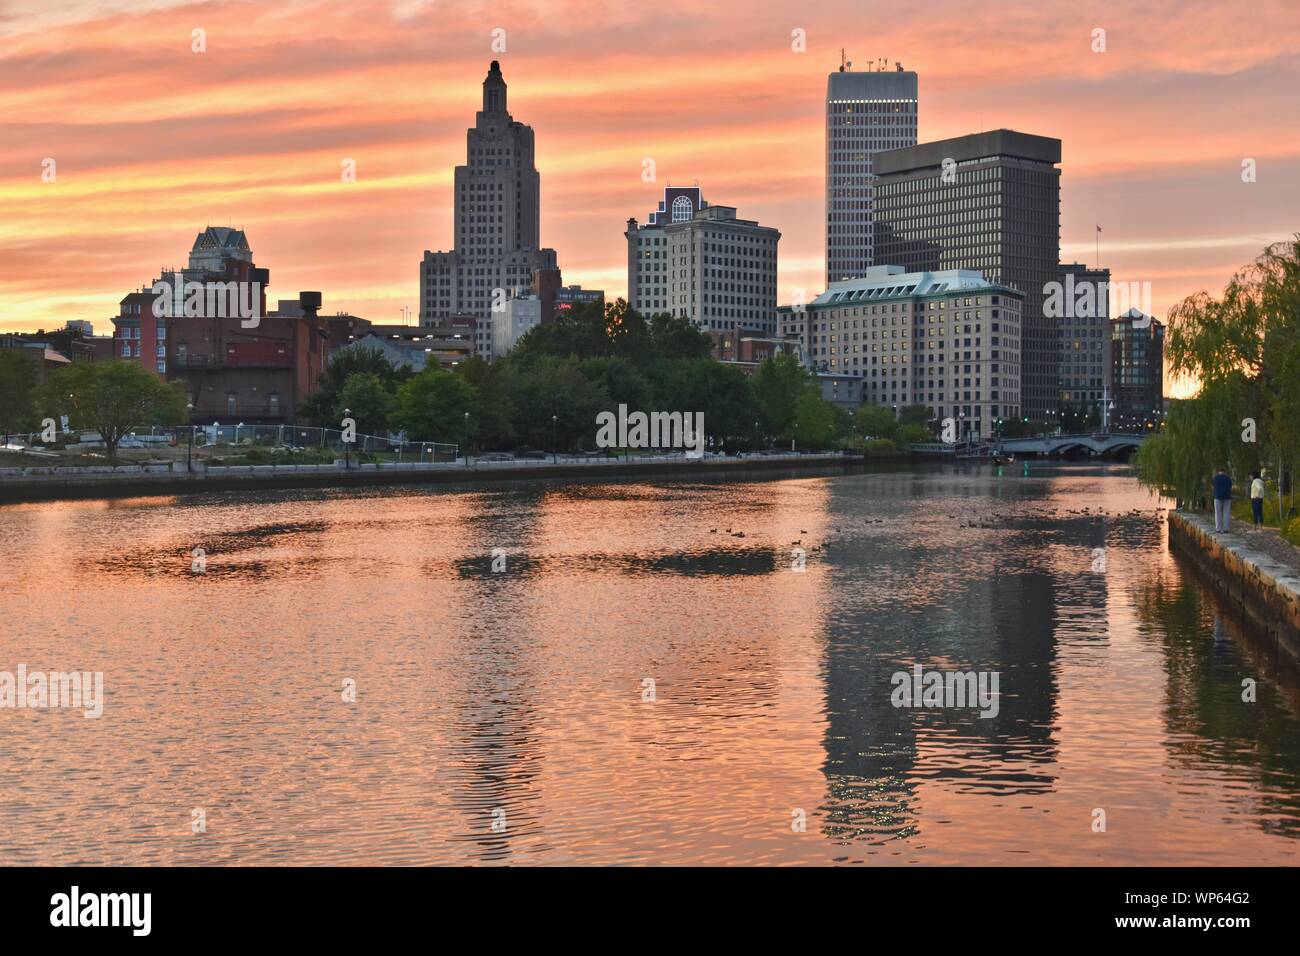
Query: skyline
[[141, 126]]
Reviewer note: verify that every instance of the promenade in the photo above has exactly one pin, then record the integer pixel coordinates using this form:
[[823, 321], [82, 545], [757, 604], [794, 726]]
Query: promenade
[[105, 481]]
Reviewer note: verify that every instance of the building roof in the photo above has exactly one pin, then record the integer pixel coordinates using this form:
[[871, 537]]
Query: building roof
[[221, 237], [891, 282], [959, 149], [871, 85]]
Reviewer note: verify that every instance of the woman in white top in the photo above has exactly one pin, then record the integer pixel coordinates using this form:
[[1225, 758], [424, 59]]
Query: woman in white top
[[1257, 498]]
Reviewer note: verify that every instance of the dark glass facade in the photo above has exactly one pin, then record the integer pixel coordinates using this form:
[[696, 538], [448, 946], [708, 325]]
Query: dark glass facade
[[990, 202]]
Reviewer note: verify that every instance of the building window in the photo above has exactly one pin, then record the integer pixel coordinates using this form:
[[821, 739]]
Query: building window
[[230, 403], [682, 209]]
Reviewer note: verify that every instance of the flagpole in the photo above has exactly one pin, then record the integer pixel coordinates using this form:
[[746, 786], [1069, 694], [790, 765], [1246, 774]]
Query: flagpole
[[1096, 238]]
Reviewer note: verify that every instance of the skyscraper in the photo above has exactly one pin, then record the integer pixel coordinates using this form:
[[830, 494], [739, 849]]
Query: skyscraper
[[1084, 329], [700, 262], [865, 112], [497, 238], [988, 201], [1138, 359]]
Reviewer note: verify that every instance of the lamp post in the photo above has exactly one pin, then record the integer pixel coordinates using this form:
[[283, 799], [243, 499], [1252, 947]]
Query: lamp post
[[189, 451], [555, 452], [467, 439]]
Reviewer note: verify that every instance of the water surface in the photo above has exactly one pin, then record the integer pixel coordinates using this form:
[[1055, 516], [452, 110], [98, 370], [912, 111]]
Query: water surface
[[501, 717]]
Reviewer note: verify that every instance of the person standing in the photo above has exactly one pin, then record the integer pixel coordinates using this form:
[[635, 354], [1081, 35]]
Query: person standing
[[1257, 499], [1222, 501]]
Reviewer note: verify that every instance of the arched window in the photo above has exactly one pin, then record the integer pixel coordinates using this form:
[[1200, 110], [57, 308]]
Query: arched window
[[683, 209]]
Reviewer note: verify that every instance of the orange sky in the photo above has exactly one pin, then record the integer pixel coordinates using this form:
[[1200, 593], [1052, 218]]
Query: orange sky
[[153, 141]]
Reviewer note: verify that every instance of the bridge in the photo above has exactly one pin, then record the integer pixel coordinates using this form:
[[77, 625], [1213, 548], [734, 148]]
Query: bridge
[[1094, 444]]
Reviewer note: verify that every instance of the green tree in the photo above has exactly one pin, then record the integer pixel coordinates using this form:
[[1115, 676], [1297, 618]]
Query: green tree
[[675, 337], [914, 415], [369, 402], [623, 381], [19, 376], [113, 397], [815, 423], [321, 406], [777, 384], [494, 412], [583, 333], [876, 421], [913, 433], [1244, 349], [556, 387], [719, 390], [431, 407]]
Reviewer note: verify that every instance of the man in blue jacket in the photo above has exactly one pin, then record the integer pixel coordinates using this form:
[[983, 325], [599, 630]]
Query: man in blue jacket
[[1222, 501]]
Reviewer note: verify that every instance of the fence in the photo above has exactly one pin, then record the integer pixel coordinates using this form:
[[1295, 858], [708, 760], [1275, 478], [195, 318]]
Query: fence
[[267, 436]]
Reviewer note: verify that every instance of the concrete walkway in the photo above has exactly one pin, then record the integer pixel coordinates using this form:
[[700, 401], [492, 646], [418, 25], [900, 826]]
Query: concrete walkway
[[1257, 570]]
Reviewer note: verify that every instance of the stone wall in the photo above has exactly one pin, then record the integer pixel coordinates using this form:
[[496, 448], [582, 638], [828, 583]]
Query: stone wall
[[1266, 591]]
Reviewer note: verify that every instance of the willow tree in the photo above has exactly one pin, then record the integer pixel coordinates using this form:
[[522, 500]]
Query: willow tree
[[1244, 349]]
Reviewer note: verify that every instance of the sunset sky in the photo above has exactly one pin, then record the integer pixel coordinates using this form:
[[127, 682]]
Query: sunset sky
[[153, 141]]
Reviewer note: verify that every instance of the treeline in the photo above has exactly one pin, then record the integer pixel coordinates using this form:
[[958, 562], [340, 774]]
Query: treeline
[[1244, 349], [548, 391], [546, 394]]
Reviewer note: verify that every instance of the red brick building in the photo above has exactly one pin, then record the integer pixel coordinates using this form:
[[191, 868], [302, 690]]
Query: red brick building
[[208, 327]]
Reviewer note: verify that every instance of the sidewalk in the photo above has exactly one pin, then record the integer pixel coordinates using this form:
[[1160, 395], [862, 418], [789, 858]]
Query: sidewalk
[[1257, 569]]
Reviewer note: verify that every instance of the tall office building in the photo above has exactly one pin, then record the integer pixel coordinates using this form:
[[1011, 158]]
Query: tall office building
[[990, 202], [1138, 359], [1083, 313], [949, 340], [866, 112], [700, 262], [497, 239]]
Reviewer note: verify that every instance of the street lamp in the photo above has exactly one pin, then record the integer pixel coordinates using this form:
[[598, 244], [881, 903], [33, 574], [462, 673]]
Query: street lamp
[[555, 451], [189, 452], [467, 439]]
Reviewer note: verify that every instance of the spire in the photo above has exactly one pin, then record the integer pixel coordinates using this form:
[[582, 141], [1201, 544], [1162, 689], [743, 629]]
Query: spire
[[494, 90]]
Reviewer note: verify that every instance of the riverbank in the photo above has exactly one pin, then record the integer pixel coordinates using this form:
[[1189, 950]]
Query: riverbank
[[128, 481], [1256, 570]]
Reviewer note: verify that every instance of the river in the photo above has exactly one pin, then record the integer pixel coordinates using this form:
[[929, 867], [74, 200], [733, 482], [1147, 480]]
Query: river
[[633, 671]]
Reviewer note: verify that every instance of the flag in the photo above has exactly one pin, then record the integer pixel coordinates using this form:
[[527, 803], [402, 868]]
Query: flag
[[1099, 228]]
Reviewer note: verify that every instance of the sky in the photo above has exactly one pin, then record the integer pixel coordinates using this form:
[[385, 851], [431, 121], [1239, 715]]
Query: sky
[[152, 141]]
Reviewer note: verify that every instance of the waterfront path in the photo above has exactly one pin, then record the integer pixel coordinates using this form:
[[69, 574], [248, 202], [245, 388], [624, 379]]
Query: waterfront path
[[1258, 569], [34, 484]]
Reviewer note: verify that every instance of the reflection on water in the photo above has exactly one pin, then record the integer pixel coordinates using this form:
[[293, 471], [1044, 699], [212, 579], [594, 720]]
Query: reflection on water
[[506, 716]]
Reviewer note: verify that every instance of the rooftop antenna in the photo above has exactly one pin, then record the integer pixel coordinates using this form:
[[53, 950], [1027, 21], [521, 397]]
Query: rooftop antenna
[[843, 62]]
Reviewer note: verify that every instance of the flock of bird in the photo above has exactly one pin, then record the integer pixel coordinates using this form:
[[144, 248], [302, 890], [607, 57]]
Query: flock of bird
[[997, 520]]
